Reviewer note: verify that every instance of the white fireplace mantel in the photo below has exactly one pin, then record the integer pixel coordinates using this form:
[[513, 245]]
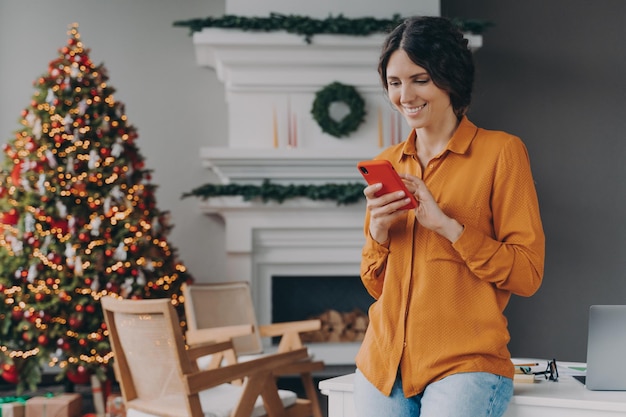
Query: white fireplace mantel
[[286, 166], [296, 238], [270, 83]]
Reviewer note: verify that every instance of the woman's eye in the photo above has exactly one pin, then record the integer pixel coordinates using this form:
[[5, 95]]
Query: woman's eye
[[422, 80]]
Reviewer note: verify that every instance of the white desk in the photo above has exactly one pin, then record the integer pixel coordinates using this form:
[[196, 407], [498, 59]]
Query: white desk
[[565, 398]]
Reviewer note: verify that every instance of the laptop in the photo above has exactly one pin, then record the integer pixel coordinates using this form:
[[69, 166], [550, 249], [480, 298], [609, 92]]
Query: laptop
[[606, 348]]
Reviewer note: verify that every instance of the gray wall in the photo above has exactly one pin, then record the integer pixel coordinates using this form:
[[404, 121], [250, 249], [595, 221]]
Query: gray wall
[[551, 72], [554, 73]]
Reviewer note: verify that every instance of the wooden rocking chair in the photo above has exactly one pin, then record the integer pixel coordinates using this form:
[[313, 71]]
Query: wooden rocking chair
[[159, 377], [223, 311]]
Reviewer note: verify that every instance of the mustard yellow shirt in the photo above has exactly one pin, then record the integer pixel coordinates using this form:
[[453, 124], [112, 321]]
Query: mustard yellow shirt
[[439, 306]]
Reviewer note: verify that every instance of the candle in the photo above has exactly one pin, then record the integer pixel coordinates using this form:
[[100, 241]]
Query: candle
[[380, 128], [289, 131], [275, 127], [294, 140]]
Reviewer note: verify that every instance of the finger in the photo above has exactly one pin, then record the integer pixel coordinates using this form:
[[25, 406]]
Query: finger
[[371, 190]]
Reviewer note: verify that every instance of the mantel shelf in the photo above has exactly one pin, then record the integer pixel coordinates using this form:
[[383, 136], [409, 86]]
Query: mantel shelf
[[285, 165]]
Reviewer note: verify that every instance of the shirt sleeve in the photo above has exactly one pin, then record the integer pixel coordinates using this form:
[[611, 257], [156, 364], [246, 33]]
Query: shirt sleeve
[[512, 259], [373, 263]]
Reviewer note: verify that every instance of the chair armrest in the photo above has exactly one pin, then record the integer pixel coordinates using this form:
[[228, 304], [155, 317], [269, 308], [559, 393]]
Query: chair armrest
[[202, 380], [278, 329], [217, 334], [209, 348], [300, 367]]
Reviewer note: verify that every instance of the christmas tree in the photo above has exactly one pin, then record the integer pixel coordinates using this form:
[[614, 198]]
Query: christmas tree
[[78, 221]]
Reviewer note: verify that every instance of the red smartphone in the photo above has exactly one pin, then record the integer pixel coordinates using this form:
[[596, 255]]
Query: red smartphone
[[381, 171]]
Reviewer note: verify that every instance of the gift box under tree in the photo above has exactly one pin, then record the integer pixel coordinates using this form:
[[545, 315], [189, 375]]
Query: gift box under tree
[[54, 405], [12, 406]]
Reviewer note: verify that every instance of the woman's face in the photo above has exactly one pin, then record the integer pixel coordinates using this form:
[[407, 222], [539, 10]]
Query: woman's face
[[412, 91]]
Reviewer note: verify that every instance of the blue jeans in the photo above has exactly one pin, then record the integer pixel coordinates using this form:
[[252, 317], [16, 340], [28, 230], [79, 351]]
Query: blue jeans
[[471, 394]]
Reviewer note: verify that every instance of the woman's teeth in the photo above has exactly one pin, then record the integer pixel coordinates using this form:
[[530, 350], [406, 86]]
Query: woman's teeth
[[411, 110]]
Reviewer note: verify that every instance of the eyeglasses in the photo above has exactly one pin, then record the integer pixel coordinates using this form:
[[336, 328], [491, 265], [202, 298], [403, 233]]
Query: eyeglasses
[[551, 373]]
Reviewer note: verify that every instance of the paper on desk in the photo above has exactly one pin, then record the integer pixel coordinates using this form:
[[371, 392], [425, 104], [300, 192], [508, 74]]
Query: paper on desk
[[571, 368]]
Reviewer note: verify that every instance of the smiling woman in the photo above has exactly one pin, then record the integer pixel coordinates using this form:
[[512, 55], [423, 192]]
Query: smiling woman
[[443, 353]]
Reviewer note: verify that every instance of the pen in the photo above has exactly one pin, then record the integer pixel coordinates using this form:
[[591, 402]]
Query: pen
[[526, 364]]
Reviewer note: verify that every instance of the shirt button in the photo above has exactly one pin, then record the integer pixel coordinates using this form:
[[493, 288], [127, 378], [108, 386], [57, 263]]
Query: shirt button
[[431, 166], [404, 344]]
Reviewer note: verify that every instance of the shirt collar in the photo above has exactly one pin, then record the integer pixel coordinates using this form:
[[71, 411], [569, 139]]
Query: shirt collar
[[459, 142]]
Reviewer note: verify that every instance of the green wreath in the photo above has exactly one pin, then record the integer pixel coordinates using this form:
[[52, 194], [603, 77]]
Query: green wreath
[[343, 93]]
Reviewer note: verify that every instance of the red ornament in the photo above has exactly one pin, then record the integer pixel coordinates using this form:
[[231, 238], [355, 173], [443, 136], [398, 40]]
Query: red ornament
[[59, 226], [9, 373], [11, 217], [43, 340], [63, 344], [112, 287], [17, 314], [75, 323], [80, 375]]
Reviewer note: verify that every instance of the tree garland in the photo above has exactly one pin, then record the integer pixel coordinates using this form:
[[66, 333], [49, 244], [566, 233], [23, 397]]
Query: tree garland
[[337, 92], [341, 193], [307, 26]]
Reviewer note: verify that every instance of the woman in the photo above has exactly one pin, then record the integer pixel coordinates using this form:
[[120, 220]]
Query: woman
[[442, 274]]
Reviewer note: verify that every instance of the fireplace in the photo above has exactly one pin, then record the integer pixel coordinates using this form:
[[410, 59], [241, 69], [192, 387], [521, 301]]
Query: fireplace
[[271, 80], [306, 296], [299, 240]]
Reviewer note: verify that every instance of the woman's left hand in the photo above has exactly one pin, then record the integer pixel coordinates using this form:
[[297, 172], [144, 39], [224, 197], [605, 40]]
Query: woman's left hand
[[428, 212]]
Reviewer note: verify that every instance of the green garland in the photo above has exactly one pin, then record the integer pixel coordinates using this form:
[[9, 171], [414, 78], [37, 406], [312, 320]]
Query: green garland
[[341, 193], [337, 92], [307, 26]]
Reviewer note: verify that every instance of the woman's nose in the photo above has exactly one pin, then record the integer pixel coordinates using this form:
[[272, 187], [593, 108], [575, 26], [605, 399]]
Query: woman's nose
[[406, 93]]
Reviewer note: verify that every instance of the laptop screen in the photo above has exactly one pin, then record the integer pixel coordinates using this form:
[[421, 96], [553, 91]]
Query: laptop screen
[[606, 344]]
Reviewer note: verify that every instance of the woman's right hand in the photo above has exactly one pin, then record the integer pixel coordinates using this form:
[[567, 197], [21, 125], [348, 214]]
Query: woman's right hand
[[384, 210]]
